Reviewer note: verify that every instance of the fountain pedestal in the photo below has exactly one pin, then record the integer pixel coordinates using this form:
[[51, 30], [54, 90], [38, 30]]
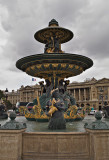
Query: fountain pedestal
[[99, 138], [11, 144], [11, 139]]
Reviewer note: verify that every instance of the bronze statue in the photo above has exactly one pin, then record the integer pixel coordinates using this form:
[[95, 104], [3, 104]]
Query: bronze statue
[[54, 109], [52, 45]]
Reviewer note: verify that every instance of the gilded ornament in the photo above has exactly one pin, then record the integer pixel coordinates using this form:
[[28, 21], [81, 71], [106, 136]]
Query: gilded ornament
[[55, 65], [76, 66], [81, 69], [63, 65], [71, 66], [32, 67], [46, 65], [28, 69], [39, 66]]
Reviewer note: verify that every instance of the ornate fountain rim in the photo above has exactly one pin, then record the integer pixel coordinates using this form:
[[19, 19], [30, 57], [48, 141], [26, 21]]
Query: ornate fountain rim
[[65, 34], [65, 63], [83, 61]]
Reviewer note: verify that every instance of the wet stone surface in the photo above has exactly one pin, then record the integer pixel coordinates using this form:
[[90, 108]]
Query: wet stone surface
[[77, 126]]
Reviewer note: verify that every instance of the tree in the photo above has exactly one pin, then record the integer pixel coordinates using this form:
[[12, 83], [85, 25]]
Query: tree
[[1, 94], [7, 103]]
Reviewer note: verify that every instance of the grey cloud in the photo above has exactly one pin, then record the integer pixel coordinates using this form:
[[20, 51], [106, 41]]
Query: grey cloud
[[88, 19]]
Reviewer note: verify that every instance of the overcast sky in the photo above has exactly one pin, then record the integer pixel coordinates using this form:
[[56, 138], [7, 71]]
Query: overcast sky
[[20, 19]]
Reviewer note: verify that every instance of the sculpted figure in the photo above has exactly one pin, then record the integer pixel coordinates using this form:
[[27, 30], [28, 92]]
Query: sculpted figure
[[61, 87], [56, 44], [42, 87], [48, 87], [52, 45], [66, 84], [54, 109]]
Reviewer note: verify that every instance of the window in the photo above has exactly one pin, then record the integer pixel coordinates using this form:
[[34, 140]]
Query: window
[[100, 97], [106, 97], [100, 89], [105, 88]]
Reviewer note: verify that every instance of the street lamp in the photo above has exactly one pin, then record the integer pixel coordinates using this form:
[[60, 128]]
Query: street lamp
[[6, 93], [101, 91]]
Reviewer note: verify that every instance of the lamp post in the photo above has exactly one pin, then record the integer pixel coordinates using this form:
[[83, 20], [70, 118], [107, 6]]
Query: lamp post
[[101, 91], [6, 93]]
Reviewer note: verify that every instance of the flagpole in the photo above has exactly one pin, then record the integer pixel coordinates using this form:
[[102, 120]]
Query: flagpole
[[31, 81]]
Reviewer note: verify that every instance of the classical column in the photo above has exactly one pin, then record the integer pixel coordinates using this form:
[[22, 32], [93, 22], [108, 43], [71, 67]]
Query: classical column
[[74, 93], [90, 93], [69, 91], [79, 94], [85, 94], [26, 97], [12, 99], [108, 93]]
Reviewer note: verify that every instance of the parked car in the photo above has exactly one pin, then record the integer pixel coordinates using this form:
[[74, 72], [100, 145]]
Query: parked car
[[21, 104], [20, 107], [92, 112], [101, 112], [10, 110], [30, 106]]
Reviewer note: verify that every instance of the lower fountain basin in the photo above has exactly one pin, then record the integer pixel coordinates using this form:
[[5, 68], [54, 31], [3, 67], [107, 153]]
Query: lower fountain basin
[[33, 126], [45, 65]]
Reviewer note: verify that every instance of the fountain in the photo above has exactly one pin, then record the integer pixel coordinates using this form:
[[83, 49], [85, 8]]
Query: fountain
[[54, 65]]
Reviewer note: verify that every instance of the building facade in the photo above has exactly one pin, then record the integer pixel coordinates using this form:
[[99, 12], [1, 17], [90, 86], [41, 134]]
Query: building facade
[[13, 97], [24, 94], [29, 93], [94, 93]]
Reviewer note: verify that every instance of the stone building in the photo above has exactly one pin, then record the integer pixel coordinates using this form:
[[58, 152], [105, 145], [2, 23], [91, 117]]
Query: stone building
[[29, 93], [13, 97], [91, 92], [24, 94]]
